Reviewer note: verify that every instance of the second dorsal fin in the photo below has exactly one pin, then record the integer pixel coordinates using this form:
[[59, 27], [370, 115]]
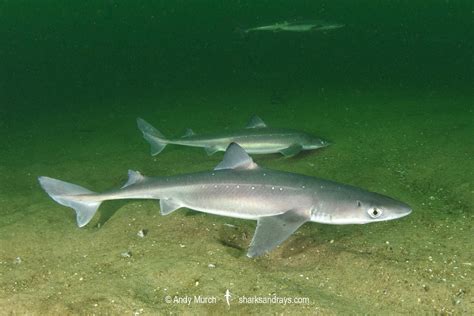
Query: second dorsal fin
[[133, 177], [256, 122], [189, 132]]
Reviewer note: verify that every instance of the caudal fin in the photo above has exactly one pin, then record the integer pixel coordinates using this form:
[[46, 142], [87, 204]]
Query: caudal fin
[[69, 194], [242, 32], [152, 136]]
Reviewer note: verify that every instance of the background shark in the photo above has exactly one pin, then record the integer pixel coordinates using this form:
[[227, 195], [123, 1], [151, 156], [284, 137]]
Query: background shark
[[256, 138], [297, 26], [280, 201]]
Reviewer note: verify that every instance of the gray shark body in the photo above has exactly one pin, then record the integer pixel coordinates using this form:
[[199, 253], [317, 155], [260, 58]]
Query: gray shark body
[[281, 202], [256, 138], [297, 26]]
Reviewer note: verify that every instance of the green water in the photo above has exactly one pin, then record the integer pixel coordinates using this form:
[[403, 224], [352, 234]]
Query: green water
[[392, 91]]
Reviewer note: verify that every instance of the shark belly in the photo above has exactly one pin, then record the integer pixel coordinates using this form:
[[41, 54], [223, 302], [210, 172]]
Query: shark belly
[[254, 141], [251, 145], [240, 200], [262, 148], [265, 144]]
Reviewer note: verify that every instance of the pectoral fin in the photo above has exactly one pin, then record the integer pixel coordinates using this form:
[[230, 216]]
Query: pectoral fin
[[273, 230], [168, 205], [292, 150]]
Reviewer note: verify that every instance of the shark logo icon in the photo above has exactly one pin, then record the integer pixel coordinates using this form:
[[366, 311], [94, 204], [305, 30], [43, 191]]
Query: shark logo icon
[[227, 296]]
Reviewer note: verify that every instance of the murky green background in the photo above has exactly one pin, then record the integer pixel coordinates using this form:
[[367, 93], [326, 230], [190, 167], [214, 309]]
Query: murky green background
[[392, 91]]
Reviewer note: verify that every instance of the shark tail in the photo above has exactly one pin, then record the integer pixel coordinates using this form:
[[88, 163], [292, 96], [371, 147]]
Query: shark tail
[[68, 194], [242, 32], [157, 141]]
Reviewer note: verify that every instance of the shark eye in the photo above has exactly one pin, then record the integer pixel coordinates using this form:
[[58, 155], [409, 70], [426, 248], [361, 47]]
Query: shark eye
[[375, 212], [359, 204]]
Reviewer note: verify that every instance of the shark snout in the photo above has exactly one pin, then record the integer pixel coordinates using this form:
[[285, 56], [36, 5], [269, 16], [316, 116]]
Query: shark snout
[[325, 143], [408, 210], [402, 210], [322, 143], [317, 143]]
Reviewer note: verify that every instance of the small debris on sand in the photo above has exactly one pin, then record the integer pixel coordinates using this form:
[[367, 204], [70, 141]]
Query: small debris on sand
[[142, 233]]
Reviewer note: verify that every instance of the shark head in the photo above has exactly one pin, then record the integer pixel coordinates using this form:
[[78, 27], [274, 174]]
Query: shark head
[[310, 142], [380, 208], [359, 207]]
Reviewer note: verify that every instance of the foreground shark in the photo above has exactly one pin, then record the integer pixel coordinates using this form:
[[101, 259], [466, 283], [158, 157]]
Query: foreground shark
[[280, 201], [256, 138], [297, 26]]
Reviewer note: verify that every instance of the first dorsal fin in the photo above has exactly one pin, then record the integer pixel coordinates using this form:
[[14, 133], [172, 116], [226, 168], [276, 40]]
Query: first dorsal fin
[[256, 122], [235, 157], [189, 132], [133, 177]]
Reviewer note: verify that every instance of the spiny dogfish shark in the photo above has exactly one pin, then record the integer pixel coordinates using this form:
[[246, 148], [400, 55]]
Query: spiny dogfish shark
[[256, 138], [297, 26], [280, 201]]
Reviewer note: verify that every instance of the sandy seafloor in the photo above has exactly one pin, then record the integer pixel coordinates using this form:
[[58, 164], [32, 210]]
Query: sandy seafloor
[[385, 140]]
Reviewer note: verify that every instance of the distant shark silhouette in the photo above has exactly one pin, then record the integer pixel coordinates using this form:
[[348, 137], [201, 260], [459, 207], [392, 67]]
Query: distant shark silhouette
[[297, 26]]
